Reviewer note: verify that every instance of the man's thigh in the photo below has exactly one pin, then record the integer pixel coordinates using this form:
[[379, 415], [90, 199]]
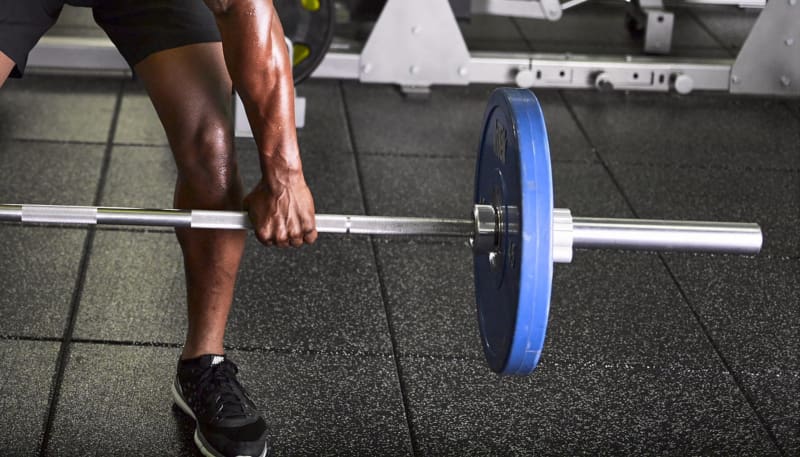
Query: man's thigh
[[174, 48], [140, 28], [191, 91]]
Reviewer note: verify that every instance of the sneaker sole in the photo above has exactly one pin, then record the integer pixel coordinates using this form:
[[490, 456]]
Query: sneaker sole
[[199, 440]]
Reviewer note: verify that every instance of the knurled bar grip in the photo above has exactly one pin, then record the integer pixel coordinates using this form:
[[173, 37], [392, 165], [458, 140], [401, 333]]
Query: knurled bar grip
[[200, 219]]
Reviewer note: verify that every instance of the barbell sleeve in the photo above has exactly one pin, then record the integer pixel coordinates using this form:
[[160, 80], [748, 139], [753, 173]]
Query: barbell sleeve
[[658, 235]]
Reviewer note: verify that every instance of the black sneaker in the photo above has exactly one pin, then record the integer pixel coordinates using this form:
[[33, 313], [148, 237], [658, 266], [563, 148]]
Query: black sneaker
[[228, 423]]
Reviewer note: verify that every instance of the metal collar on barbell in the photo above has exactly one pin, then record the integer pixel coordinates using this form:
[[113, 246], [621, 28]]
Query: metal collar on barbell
[[490, 223]]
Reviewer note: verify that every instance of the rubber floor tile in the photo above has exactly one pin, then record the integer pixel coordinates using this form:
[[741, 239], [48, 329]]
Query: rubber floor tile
[[313, 404], [460, 407], [49, 173], [26, 374], [57, 109], [38, 272], [769, 198], [698, 130]]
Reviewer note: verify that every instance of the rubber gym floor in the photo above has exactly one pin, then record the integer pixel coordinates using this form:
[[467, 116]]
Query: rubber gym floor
[[360, 346]]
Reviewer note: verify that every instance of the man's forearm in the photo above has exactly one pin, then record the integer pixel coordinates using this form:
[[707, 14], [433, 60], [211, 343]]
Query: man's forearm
[[281, 206], [258, 62]]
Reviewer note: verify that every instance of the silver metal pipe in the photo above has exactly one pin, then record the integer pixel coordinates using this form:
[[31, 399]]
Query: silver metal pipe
[[144, 217], [326, 223], [11, 213], [654, 235], [381, 225]]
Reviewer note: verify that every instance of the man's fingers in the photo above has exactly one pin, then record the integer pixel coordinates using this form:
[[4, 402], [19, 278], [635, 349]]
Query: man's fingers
[[310, 237], [281, 235], [309, 223], [282, 226], [266, 238], [265, 233], [295, 233]]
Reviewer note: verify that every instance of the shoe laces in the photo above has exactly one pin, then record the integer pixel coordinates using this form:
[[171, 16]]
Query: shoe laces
[[220, 381]]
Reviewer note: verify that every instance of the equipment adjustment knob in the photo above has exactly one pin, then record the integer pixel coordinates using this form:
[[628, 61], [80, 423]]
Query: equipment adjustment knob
[[525, 79], [603, 82], [683, 84]]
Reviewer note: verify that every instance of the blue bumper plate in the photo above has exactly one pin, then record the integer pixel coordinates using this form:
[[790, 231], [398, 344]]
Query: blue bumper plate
[[513, 285]]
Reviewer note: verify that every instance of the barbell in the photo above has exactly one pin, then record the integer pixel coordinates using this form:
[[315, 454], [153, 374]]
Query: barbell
[[515, 232]]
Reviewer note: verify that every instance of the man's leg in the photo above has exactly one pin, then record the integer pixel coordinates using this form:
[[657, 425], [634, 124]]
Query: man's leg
[[191, 91], [6, 65]]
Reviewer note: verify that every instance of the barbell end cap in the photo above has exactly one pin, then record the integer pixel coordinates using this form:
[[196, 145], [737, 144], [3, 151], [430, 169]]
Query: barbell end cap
[[758, 240]]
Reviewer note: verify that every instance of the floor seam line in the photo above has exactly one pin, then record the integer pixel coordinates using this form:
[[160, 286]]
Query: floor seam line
[[395, 350], [739, 383], [692, 166], [382, 285], [51, 141], [713, 35], [413, 155], [595, 150], [230, 347], [403, 155], [77, 294], [142, 145], [631, 163], [687, 302]]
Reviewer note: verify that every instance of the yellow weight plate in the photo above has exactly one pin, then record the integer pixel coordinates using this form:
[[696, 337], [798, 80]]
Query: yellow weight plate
[[301, 53], [310, 5]]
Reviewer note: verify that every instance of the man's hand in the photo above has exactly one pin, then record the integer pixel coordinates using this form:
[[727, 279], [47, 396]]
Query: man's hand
[[281, 206], [282, 212]]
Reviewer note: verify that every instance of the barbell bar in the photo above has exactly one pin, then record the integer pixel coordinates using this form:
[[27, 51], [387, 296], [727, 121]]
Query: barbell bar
[[578, 233], [515, 232]]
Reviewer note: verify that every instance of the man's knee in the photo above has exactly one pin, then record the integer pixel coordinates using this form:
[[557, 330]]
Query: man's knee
[[205, 154], [206, 163]]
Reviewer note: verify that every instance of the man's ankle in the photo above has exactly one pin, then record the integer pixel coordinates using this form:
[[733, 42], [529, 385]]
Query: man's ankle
[[190, 352]]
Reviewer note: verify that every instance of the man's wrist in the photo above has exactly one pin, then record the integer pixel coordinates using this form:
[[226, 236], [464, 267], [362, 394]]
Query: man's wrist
[[275, 179], [281, 157]]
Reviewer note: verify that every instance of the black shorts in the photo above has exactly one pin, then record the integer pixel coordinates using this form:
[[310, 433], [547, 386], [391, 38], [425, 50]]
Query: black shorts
[[137, 27]]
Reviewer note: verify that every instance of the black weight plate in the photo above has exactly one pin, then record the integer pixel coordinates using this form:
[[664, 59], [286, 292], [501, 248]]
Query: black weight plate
[[309, 24]]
